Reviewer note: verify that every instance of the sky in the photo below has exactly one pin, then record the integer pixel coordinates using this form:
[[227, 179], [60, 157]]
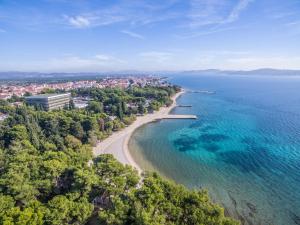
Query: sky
[[148, 35]]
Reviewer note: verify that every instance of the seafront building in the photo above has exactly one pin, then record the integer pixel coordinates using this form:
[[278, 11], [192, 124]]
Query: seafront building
[[49, 101], [3, 116]]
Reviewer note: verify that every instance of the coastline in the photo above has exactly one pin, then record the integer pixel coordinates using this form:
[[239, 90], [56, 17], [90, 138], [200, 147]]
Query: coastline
[[117, 143]]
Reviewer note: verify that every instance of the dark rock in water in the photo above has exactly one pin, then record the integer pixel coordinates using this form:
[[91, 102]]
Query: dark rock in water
[[211, 147], [269, 140], [248, 141], [184, 136], [185, 143], [196, 124], [213, 138], [226, 212], [241, 219], [232, 200], [183, 149], [295, 218], [251, 207], [207, 128]]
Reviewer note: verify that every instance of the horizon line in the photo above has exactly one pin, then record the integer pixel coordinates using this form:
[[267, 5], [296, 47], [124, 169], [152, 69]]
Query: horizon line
[[148, 71]]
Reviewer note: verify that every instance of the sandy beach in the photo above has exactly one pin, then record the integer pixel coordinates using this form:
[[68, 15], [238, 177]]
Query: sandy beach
[[117, 143]]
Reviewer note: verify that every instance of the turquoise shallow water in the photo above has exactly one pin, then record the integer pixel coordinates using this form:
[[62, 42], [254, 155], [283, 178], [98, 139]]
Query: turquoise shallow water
[[244, 148]]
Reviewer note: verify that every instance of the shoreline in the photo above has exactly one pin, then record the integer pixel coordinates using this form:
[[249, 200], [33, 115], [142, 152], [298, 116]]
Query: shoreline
[[117, 143]]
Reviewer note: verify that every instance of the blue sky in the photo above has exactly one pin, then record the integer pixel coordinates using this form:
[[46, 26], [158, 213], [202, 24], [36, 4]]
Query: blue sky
[[111, 35]]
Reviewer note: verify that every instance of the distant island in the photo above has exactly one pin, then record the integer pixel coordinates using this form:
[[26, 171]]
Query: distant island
[[260, 72]]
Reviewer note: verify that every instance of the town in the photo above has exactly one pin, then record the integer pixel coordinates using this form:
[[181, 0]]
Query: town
[[8, 90]]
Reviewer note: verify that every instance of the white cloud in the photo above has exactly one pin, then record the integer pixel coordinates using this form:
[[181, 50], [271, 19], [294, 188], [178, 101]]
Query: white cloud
[[79, 21], [229, 60], [277, 62], [236, 11], [67, 63], [156, 57], [226, 52], [215, 12], [95, 18], [281, 15], [205, 12], [164, 60], [207, 32], [133, 34], [104, 57], [294, 23], [293, 28], [75, 63], [2, 31], [134, 13]]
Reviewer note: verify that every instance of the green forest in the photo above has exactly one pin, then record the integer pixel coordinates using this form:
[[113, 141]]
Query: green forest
[[48, 174]]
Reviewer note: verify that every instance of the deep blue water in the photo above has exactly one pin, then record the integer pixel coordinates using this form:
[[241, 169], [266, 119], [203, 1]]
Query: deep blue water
[[244, 147]]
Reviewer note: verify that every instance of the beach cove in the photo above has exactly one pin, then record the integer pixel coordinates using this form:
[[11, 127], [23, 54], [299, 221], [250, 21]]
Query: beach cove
[[117, 143]]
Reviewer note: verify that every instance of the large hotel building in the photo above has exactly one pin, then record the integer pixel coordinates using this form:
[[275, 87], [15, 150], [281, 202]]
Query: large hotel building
[[49, 101]]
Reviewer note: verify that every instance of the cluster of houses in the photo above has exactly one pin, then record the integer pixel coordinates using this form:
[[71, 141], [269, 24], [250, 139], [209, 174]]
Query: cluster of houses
[[8, 90], [59, 101]]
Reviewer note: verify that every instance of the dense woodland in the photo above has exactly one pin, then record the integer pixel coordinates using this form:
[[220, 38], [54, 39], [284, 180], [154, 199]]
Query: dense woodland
[[48, 174]]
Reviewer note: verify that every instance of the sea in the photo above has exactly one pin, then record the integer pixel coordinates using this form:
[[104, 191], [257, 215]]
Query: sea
[[244, 148]]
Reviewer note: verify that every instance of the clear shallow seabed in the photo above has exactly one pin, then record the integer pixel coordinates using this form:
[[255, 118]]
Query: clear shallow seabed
[[244, 148]]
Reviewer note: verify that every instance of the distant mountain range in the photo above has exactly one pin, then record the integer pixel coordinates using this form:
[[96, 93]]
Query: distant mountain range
[[264, 72], [16, 75], [37, 75]]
